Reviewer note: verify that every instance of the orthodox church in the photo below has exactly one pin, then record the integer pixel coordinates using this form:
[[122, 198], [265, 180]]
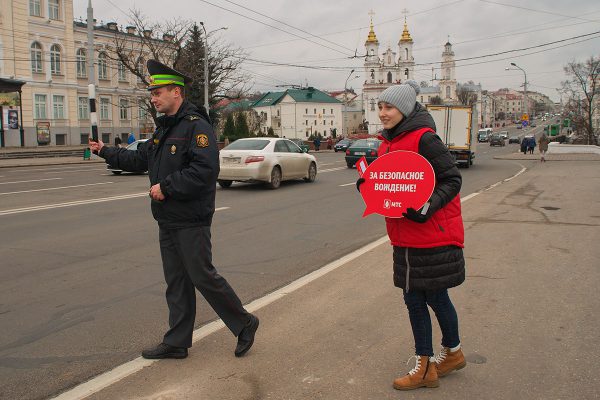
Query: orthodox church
[[391, 68]]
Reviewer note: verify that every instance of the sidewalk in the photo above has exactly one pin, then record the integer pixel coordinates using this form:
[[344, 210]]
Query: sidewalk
[[528, 314]]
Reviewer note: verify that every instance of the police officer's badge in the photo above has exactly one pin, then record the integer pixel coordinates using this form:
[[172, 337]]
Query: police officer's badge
[[201, 140], [173, 149]]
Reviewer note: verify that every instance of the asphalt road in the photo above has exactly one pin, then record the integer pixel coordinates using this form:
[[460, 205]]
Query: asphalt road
[[81, 285]]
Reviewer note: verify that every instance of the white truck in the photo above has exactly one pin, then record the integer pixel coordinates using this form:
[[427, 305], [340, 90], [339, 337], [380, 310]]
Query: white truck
[[457, 126]]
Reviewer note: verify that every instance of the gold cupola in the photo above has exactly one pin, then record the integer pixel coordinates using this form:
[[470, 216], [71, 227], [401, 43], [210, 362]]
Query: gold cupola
[[405, 34], [372, 38]]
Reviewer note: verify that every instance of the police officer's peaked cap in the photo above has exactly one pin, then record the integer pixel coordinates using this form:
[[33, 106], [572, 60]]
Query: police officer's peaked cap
[[161, 75]]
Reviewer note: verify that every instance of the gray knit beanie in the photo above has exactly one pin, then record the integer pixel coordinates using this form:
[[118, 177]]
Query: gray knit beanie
[[403, 97]]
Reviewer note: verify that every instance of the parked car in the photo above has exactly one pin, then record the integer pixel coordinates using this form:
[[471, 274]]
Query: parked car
[[514, 139], [496, 140], [132, 146], [519, 126], [342, 145], [503, 134], [533, 124], [302, 144], [267, 160], [362, 147]]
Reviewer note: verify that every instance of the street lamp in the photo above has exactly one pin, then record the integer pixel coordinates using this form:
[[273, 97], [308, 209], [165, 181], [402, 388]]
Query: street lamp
[[206, 63], [524, 85], [344, 127]]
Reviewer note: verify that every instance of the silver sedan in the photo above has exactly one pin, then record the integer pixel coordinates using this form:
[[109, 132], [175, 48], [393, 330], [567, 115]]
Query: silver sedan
[[269, 160]]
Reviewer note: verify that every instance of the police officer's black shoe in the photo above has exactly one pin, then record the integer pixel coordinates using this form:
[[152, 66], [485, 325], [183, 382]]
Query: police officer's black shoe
[[246, 337], [164, 350]]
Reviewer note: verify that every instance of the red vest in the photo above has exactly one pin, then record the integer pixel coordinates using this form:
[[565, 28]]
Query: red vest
[[444, 228]]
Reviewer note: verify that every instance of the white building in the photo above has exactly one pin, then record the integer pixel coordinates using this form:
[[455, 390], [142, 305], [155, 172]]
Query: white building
[[391, 68], [299, 113]]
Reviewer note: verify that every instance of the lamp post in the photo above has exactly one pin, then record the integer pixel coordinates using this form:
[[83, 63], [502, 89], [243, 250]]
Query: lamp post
[[524, 84], [344, 127], [206, 63]]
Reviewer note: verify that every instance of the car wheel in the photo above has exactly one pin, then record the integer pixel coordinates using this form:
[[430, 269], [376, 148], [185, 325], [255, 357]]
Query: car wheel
[[312, 173], [117, 172], [275, 178], [349, 164], [224, 183]]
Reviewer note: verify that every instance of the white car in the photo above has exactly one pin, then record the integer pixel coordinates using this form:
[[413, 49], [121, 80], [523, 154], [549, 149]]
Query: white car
[[263, 159], [132, 146]]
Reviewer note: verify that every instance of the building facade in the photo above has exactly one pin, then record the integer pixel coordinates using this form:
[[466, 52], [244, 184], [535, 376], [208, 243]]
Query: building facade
[[299, 113], [41, 44]]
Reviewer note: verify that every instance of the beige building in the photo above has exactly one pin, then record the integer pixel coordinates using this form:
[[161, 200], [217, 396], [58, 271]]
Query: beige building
[[42, 45]]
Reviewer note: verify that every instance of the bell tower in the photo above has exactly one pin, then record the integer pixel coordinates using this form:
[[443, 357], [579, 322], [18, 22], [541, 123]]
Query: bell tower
[[406, 61]]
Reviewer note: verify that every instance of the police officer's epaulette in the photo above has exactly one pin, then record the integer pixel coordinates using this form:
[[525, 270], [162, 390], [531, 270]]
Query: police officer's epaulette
[[192, 117]]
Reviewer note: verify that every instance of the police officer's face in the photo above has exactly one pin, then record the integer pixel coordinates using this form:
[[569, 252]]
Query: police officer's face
[[166, 99]]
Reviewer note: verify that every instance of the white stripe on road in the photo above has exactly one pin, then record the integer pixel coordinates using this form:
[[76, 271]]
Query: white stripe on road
[[56, 188], [52, 169], [332, 169], [348, 184], [122, 371], [33, 180], [77, 171]]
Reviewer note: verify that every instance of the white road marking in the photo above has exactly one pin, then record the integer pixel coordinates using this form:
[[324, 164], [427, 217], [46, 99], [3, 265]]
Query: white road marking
[[124, 370], [56, 188], [332, 169], [52, 169], [77, 171], [33, 180], [348, 184]]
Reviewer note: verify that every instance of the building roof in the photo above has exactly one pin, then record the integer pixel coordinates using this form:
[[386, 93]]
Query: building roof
[[308, 95], [430, 90]]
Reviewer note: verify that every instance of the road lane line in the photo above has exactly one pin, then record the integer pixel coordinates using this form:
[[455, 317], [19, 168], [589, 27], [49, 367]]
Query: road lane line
[[33, 180], [77, 171], [332, 169], [56, 188], [348, 184], [122, 371], [52, 169]]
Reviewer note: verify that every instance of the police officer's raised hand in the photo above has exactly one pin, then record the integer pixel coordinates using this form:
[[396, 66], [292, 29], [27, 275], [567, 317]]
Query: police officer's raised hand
[[95, 147], [156, 193]]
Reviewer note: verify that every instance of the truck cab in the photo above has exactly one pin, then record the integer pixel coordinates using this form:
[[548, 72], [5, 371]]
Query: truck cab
[[483, 135]]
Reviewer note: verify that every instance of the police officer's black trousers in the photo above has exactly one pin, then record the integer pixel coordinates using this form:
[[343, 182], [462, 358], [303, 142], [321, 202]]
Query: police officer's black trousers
[[187, 264]]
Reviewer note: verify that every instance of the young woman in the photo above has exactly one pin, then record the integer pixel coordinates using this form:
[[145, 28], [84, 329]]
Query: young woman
[[428, 255]]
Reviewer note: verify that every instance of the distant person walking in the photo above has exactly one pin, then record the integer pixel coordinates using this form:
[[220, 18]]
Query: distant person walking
[[317, 143], [531, 145], [543, 146], [118, 141]]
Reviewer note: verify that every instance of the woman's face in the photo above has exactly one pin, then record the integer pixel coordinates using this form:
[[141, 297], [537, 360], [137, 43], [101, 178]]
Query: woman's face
[[389, 115]]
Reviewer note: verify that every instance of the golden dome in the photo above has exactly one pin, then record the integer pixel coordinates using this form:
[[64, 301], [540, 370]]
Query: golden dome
[[372, 38], [405, 34]]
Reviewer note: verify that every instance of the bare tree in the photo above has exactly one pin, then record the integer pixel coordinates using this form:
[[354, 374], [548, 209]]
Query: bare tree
[[583, 89], [436, 100], [466, 96]]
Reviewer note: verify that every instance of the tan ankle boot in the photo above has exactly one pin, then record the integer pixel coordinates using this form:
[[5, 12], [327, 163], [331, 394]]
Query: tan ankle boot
[[423, 374], [448, 361]]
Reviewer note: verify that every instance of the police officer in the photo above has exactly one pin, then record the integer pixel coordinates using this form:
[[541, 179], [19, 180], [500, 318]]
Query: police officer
[[182, 160]]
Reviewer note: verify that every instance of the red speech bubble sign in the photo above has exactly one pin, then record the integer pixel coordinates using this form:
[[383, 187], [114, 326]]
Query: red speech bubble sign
[[396, 181]]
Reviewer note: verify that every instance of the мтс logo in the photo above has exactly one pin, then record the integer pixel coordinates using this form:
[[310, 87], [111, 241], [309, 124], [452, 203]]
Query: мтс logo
[[387, 204]]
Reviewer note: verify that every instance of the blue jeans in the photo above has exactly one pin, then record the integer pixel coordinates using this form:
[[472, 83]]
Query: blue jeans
[[420, 321]]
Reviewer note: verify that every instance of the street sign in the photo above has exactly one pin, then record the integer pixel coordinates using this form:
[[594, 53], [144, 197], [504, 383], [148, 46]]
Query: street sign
[[525, 117]]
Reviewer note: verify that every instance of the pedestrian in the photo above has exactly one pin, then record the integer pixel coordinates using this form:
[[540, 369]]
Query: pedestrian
[[317, 143], [543, 146], [118, 141], [329, 143], [130, 138], [524, 142], [428, 243], [183, 202], [531, 145]]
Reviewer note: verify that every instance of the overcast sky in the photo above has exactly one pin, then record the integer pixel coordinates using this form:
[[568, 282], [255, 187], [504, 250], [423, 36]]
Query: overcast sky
[[476, 28]]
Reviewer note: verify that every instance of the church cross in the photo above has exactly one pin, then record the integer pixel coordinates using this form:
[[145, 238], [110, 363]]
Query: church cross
[[405, 12]]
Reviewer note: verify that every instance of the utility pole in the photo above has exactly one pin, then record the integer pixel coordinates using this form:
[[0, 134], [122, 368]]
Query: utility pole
[[91, 72]]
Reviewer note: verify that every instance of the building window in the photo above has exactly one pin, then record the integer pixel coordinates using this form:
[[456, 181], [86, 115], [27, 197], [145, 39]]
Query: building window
[[406, 72], [142, 110], [315, 122], [39, 106], [81, 63], [306, 123], [53, 9], [331, 122], [141, 67], [55, 59], [58, 106], [122, 72], [315, 111], [447, 92], [323, 111], [372, 104], [102, 68], [332, 111], [406, 50], [36, 58], [306, 111], [35, 8], [123, 109], [389, 77], [83, 108], [448, 73], [104, 108]]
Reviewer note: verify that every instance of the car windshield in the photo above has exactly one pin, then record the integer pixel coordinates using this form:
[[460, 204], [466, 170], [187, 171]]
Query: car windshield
[[250, 144], [495, 136], [366, 143]]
